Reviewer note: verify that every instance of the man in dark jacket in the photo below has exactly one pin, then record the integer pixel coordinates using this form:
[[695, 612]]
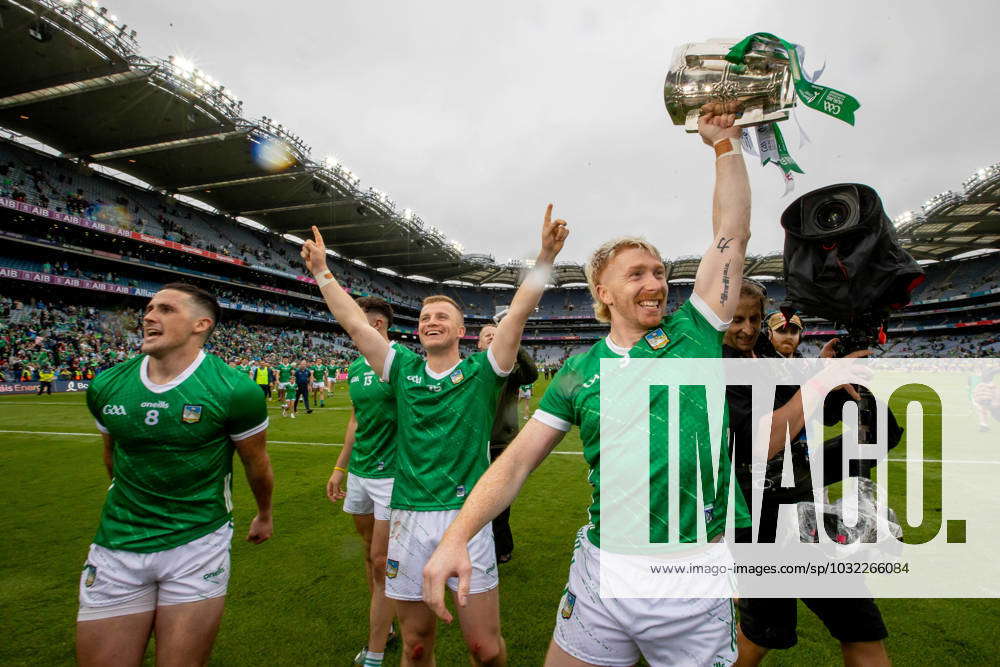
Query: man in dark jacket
[[770, 623], [505, 427]]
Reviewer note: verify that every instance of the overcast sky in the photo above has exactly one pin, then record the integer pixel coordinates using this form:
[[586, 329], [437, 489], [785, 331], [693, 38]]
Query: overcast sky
[[475, 115]]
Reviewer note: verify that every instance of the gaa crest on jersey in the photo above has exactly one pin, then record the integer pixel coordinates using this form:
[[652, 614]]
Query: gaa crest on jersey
[[457, 376], [657, 339], [391, 568], [569, 601], [91, 575], [191, 414]]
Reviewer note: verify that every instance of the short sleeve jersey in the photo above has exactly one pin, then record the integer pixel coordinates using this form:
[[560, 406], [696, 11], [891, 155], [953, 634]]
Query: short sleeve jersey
[[443, 428], [173, 450], [574, 398], [374, 451], [284, 372], [319, 372]]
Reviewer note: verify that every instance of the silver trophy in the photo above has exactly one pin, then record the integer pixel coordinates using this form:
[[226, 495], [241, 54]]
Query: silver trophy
[[760, 89]]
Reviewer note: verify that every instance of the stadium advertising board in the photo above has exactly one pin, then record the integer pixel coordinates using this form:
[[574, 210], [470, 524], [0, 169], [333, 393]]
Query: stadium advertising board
[[78, 221], [31, 387], [80, 283]]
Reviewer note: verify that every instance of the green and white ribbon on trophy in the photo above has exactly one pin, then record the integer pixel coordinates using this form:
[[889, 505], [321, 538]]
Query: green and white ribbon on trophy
[[770, 142], [763, 76]]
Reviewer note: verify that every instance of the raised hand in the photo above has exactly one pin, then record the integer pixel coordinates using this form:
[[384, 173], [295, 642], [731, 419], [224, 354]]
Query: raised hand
[[314, 253], [717, 122], [554, 233]]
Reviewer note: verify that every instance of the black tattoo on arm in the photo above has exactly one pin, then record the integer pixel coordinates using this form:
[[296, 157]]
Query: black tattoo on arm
[[725, 284]]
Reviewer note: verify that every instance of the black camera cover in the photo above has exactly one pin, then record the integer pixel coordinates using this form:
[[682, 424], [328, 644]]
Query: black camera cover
[[848, 274]]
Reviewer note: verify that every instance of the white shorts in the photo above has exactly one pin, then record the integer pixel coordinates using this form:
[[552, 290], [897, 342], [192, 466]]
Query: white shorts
[[283, 385], [319, 385], [366, 495], [116, 583], [615, 631], [413, 536]]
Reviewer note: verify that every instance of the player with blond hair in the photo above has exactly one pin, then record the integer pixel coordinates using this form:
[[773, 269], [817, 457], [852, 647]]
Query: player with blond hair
[[627, 280]]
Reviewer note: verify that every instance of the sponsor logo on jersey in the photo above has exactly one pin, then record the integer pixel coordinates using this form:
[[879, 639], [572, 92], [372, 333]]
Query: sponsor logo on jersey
[[117, 410], [415, 379], [216, 573], [569, 601], [457, 376], [391, 568], [434, 387], [590, 383], [191, 414], [163, 405], [356, 378], [460, 491], [657, 339], [91, 575]]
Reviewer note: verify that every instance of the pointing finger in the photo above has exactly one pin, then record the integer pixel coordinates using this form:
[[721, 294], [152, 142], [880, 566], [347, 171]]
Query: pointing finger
[[548, 214]]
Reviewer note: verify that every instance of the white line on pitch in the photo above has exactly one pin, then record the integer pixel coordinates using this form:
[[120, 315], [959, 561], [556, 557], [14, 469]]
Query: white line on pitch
[[564, 453]]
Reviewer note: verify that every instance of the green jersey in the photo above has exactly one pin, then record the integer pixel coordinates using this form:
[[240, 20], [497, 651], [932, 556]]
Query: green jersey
[[443, 428], [319, 372], [374, 451], [284, 372], [173, 450], [574, 397]]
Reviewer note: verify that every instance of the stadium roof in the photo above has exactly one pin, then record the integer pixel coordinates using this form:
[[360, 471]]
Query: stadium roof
[[954, 223], [75, 80]]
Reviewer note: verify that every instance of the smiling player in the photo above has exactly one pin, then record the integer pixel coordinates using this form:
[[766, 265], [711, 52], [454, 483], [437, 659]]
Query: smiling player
[[627, 280], [171, 419], [445, 410]]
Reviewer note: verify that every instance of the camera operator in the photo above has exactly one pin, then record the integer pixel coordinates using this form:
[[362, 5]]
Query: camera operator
[[770, 623]]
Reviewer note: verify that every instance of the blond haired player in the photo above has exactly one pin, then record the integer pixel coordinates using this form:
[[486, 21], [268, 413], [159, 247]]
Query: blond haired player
[[627, 279]]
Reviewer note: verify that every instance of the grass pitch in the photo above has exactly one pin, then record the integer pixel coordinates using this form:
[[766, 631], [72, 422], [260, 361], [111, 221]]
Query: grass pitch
[[300, 598]]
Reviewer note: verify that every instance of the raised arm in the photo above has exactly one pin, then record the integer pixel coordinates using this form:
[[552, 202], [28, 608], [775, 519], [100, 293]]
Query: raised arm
[[720, 272], [347, 313], [494, 491], [508, 335]]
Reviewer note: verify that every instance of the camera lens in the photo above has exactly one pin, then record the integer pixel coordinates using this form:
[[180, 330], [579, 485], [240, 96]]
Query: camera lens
[[832, 214]]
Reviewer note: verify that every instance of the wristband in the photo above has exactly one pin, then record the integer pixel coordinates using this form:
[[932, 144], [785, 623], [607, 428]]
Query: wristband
[[324, 279], [727, 146], [538, 277], [343, 470]]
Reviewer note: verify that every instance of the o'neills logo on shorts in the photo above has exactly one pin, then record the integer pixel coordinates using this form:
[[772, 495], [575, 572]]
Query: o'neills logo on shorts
[[216, 573]]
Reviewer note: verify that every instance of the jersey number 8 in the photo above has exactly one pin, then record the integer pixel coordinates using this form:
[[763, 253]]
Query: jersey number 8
[[152, 417]]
